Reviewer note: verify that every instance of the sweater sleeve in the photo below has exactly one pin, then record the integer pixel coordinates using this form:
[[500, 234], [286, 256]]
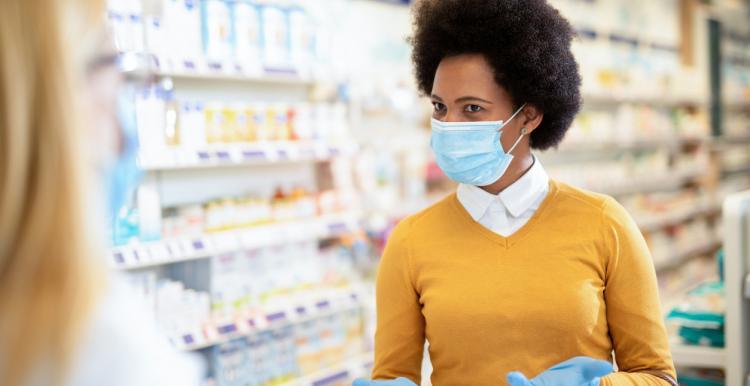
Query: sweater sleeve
[[399, 337], [633, 309]]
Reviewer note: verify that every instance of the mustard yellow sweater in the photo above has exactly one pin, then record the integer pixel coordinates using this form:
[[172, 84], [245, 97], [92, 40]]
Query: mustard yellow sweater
[[577, 279]]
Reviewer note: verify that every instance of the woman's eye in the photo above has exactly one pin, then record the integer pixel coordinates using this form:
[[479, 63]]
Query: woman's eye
[[473, 108], [438, 106]]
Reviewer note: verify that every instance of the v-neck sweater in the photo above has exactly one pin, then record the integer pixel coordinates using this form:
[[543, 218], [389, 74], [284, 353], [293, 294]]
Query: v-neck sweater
[[576, 279]]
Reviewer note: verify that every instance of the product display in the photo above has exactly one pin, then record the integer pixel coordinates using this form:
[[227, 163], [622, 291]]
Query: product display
[[218, 36], [701, 317], [278, 356], [164, 121]]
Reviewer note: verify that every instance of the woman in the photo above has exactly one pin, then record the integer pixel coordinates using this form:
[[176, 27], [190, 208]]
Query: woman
[[62, 322], [515, 271]]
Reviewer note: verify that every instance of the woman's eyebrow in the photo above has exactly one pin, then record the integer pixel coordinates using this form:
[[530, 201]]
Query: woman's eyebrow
[[436, 97], [472, 98]]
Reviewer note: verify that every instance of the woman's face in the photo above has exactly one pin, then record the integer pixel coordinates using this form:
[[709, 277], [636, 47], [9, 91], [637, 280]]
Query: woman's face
[[465, 90]]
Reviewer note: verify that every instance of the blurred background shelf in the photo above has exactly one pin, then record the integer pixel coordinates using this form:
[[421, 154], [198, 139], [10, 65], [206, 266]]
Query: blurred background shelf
[[243, 155], [680, 257], [698, 356], [171, 251], [342, 373], [216, 333]]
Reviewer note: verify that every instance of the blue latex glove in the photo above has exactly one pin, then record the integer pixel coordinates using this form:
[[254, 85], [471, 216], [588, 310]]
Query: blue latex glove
[[393, 382], [578, 371]]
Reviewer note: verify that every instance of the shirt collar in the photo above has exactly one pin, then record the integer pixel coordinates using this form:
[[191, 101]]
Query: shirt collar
[[517, 198]]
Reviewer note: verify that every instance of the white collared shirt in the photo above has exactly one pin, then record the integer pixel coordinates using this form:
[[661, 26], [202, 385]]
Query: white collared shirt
[[508, 211]]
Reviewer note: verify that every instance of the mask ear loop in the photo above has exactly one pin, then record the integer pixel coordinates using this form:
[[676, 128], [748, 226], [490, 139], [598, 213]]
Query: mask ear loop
[[523, 130], [520, 137], [514, 114]]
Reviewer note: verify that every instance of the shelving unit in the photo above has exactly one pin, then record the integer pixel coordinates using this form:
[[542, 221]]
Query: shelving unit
[[700, 249], [245, 155], [152, 254], [229, 140], [277, 78], [667, 100], [337, 374], [698, 356], [736, 236], [652, 183], [141, 65], [635, 145], [217, 332], [661, 220]]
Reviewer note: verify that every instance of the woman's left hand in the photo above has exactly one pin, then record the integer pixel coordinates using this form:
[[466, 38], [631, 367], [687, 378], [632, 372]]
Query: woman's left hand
[[578, 371]]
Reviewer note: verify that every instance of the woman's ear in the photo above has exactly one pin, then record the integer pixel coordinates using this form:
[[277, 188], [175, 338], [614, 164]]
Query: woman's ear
[[531, 117]]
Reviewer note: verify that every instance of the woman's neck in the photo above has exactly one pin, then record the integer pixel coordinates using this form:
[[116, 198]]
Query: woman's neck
[[518, 167]]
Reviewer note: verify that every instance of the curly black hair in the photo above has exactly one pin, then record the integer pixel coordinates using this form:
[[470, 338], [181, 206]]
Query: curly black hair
[[526, 42]]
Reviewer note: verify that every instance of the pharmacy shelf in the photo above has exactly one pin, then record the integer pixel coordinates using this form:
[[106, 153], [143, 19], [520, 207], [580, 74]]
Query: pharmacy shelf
[[221, 156], [633, 145], [731, 140], [142, 65], [613, 97], [733, 170], [215, 333], [268, 77], [652, 183], [661, 220], [698, 356], [175, 250], [682, 256], [737, 105], [339, 374]]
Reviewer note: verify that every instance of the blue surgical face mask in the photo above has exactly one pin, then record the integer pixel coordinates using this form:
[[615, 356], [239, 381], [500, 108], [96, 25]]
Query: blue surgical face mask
[[471, 152], [123, 175]]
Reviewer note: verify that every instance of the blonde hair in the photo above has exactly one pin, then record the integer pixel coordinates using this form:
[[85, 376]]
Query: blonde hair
[[50, 272]]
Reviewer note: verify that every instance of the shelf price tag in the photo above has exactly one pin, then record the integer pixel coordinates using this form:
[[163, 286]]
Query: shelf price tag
[[323, 305], [203, 157], [118, 256], [254, 155], [227, 329], [333, 379], [337, 228], [276, 317]]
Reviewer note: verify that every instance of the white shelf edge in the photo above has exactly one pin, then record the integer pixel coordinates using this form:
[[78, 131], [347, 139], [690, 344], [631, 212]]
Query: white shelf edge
[[242, 155], [698, 356], [615, 97], [143, 64], [633, 145], [347, 369], [666, 219], [122, 257], [288, 321], [653, 183], [688, 253], [238, 77]]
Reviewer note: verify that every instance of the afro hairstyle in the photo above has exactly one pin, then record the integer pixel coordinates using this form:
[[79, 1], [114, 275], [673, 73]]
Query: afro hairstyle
[[526, 42]]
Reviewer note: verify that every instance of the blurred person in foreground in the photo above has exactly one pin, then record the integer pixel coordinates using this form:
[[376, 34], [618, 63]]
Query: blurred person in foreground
[[515, 273], [63, 319]]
